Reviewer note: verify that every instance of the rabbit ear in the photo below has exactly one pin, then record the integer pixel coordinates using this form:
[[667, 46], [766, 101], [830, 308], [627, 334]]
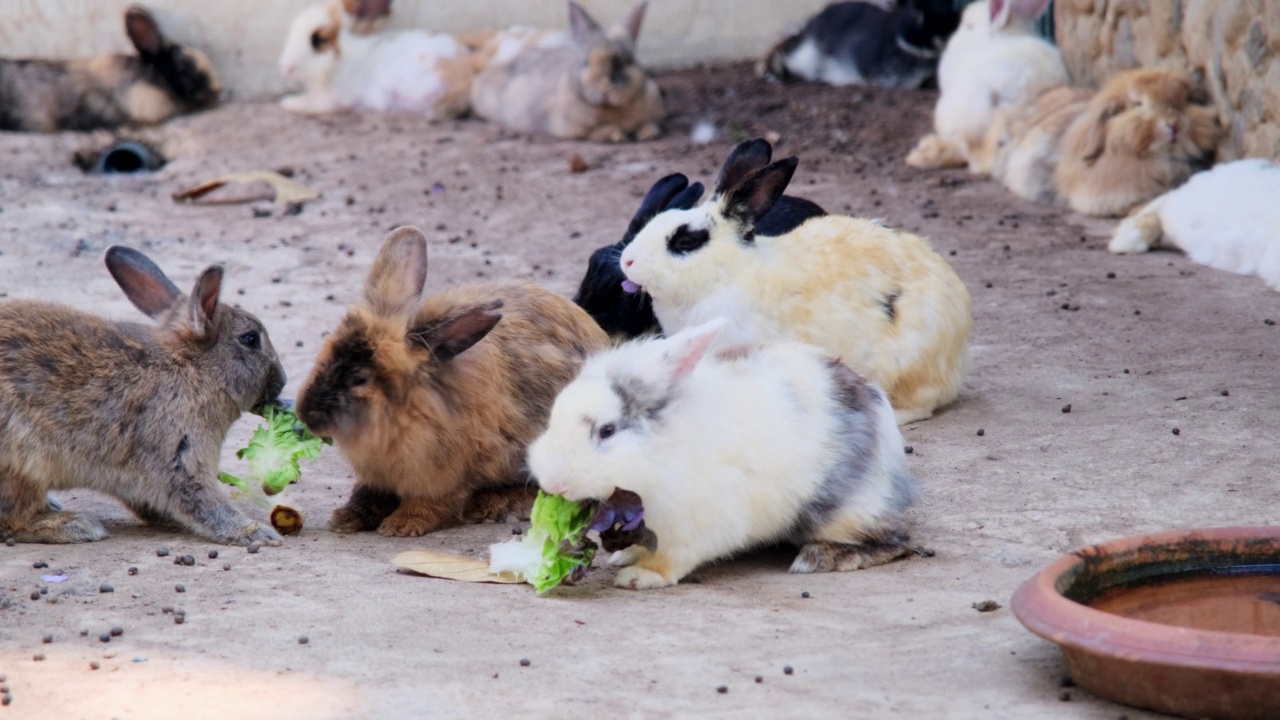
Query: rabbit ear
[[654, 202], [399, 273], [367, 9], [687, 199], [745, 159], [450, 337], [687, 347], [755, 196], [635, 20], [1026, 10], [143, 31], [585, 29], [203, 302], [1095, 138], [145, 284]]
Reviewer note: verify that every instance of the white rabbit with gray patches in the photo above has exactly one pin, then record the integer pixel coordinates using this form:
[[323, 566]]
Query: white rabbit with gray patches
[[731, 449]]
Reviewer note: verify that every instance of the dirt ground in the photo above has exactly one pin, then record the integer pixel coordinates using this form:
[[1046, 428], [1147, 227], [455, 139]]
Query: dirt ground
[[1138, 347]]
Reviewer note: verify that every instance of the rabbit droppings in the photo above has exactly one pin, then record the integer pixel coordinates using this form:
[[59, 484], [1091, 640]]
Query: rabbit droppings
[[133, 411], [389, 71], [994, 60], [164, 79], [627, 312], [880, 300], [589, 87], [434, 400], [731, 449]]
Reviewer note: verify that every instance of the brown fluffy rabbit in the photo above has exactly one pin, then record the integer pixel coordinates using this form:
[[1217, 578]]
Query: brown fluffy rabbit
[[588, 87], [435, 400], [164, 79], [133, 411], [1026, 142], [1138, 137]]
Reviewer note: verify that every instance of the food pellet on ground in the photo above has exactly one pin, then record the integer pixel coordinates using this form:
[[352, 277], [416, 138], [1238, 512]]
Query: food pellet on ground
[[213, 554], [787, 670], [524, 662], [104, 637], [722, 689], [117, 631], [303, 640], [180, 588], [47, 639], [162, 552], [104, 588]]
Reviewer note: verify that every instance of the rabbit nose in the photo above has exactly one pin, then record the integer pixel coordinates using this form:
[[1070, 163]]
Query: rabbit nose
[[628, 263]]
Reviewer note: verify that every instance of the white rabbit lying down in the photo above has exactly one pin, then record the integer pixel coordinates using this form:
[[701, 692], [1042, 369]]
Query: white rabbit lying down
[[1227, 217], [731, 449]]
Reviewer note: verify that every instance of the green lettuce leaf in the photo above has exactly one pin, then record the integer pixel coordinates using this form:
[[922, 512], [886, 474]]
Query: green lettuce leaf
[[555, 549], [275, 449]]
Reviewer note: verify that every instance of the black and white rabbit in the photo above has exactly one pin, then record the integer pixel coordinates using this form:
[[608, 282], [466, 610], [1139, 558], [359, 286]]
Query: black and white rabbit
[[624, 310], [863, 43]]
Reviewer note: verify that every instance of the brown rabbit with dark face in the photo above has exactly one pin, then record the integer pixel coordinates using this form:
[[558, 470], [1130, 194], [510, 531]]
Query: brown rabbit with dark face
[[435, 400], [134, 411], [164, 79]]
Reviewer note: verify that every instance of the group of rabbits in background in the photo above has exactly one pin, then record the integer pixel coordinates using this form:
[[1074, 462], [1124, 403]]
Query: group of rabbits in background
[[766, 351]]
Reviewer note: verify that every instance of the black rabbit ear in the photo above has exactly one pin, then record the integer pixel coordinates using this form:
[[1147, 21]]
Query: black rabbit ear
[[687, 198], [755, 196], [450, 337], [203, 303], [745, 159], [144, 283], [654, 202], [585, 28], [143, 31]]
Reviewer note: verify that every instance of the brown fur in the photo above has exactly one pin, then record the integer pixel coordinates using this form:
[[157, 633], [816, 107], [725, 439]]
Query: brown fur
[[452, 392], [134, 411], [592, 90], [1026, 142], [1139, 136], [108, 91]]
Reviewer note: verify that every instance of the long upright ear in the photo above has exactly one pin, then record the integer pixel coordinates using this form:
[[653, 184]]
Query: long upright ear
[[635, 20], [399, 273], [143, 31], [685, 349], [203, 302], [585, 29], [999, 13], [654, 202], [745, 159], [450, 337], [687, 198], [145, 284], [755, 196], [1026, 11]]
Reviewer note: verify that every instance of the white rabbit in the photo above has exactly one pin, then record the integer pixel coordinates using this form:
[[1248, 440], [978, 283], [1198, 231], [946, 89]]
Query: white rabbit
[[880, 300], [408, 70], [1227, 217], [995, 60], [729, 450]]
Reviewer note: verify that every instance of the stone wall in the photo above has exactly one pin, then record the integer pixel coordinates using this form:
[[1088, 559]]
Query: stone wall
[[1231, 46]]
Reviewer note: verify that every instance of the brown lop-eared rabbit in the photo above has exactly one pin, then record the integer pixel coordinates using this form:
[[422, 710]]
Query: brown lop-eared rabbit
[[434, 400], [164, 79], [135, 411]]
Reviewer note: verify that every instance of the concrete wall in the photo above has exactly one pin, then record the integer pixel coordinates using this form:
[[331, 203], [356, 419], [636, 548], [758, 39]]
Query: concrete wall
[[243, 37], [1233, 46]]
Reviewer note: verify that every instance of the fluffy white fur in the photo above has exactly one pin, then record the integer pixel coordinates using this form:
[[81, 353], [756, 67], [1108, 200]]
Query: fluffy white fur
[[406, 71], [826, 283], [994, 60], [1227, 217], [737, 449]]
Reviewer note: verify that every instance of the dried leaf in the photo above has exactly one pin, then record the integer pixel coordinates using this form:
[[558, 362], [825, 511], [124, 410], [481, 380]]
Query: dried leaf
[[286, 190], [451, 567]]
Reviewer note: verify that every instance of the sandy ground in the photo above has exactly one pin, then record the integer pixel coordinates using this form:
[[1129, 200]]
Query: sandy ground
[[1136, 355]]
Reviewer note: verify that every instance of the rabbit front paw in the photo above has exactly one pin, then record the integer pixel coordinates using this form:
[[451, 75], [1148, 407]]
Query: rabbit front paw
[[416, 517], [638, 578], [628, 556], [61, 528], [256, 533]]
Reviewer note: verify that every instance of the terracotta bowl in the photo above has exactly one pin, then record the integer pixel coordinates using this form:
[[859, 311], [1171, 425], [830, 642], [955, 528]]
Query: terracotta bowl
[[1186, 623]]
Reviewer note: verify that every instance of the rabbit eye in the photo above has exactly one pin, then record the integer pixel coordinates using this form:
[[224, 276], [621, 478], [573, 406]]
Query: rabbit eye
[[358, 380], [317, 40], [606, 431], [251, 340]]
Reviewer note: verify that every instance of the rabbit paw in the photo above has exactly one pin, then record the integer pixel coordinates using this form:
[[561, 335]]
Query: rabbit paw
[[934, 153], [255, 533], [826, 556], [629, 556], [416, 517], [61, 528], [648, 131], [638, 578], [607, 134], [1136, 234]]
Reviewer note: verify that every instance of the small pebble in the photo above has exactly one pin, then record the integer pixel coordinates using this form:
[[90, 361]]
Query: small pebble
[[94, 665], [1111, 276], [84, 633], [180, 588], [117, 631], [6, 699], [1064, 696], [805, 594], [722, 689], [1176, 431], [759, 679], [39, 564], [1066, 408], [47, 639], [524, 662], [787, 670], [1225, 393], [179, 619], [162, 552], [909, 449], [981, 432], [105, 588], [516, 531], [226, 566], [253, 547], [166, 610], [38, 657], [1268, 321], [104, 637], [303, 640], [213, 554], [986, 606], [133, 571], [44, 589], [10, 542]]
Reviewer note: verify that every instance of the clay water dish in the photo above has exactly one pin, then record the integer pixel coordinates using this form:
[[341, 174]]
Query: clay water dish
[[1186, 623]]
